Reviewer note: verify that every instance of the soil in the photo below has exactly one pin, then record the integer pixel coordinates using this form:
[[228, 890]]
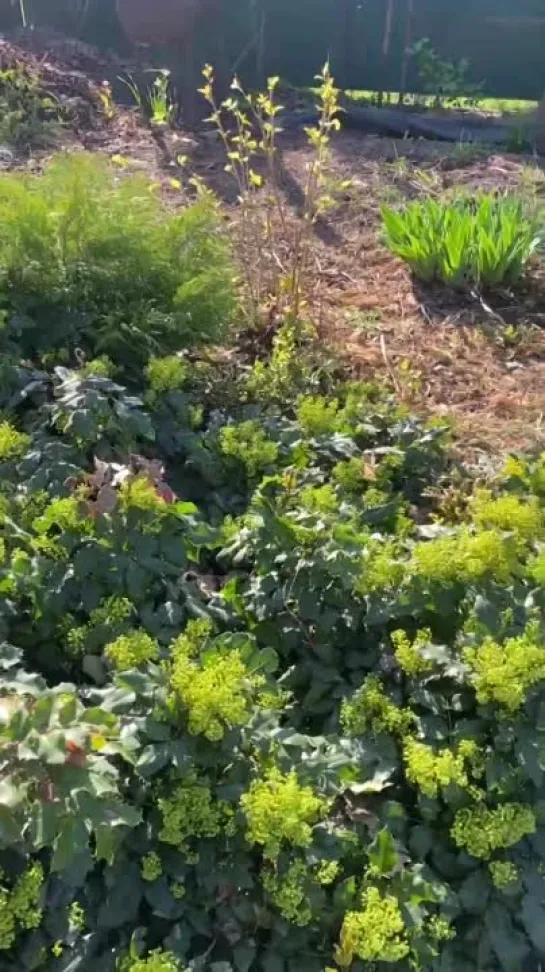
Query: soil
[[478, 360]]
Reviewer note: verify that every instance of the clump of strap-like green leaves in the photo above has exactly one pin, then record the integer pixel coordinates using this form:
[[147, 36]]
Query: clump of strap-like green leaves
[[267, 700], [484, 242]]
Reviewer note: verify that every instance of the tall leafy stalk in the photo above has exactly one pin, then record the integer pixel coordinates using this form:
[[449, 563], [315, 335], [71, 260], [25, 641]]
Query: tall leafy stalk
[[274, 246]]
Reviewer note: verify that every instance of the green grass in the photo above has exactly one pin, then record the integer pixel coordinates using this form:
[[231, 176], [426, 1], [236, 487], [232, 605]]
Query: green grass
[[496, 106]]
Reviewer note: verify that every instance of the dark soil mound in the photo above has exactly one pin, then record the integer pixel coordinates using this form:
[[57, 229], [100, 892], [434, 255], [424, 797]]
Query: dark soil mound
[[76, 92], [46, 43]]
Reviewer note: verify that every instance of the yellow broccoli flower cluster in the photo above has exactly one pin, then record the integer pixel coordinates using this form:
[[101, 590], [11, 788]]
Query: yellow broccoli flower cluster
[[111, 612], [249, 444], [25, 896], [319, 499], [277, 701], [101, 367], [131, 650], [409, 654], [151, 867], [510, 513], [464, 558], [49, 548], [440, 929], [370, 710], [194, 638], [375, 497], [157, 961], [318, 415], [375, 934], [7, 921], [536, 568], [278, 809], [504, 673], [166, 374], [288, 892], [76, 916], [482, 830], [19, 907], [140, 494], [350, 474], [514, 468], [288, 367], [189, 812], [12, 443], [535, 475], [382, 570], [65, 514], [216, 692], [431, 771], [75, 637], [327, 872], [503, 873]]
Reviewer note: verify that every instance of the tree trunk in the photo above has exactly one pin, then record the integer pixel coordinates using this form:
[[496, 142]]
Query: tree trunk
[[406, 50], [260, 53], [345, 42], [388, 29]]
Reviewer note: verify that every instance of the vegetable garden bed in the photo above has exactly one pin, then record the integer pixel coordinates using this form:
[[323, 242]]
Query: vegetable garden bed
[[273, 656]]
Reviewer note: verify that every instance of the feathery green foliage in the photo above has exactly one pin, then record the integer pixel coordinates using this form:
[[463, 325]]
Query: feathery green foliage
[[93, 260]]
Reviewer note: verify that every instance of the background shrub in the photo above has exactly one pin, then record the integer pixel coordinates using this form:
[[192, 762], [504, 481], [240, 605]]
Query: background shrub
[[29, 118], [93, 260], [485, 242]]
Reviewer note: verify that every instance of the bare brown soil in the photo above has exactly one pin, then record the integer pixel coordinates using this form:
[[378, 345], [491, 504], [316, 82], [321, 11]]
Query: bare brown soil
[[479, 360]]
